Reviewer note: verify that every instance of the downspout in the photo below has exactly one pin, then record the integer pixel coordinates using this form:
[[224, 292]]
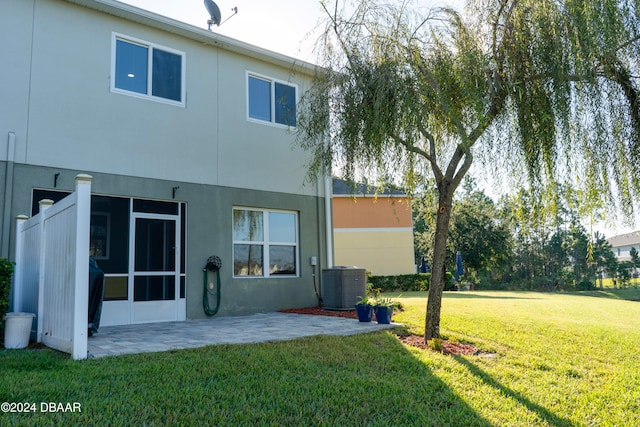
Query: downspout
[[328, 196], [328, 233], [8, 195]]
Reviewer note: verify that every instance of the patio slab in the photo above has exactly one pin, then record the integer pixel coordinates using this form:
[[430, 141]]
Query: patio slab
[[263, 327]]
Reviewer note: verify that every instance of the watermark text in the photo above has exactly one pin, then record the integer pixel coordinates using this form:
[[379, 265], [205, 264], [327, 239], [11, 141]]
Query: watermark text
[[25, 407]]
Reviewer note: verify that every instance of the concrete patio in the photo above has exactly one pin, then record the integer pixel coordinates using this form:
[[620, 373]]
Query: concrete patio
[[154, 337]]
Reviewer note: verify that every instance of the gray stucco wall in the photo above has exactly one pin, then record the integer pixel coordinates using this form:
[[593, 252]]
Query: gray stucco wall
[[209, 232], [64, 113], [66, 119]]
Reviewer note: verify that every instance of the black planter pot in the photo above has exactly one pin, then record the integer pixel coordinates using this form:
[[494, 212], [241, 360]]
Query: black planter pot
[[365, 312], [383, 314]]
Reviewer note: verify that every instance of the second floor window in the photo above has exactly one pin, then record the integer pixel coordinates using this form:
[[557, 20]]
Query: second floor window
[[271, 101], [148, 70]]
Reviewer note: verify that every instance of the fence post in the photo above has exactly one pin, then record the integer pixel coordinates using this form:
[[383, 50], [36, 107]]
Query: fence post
[[17, 276], [81, 293], [43, 205]]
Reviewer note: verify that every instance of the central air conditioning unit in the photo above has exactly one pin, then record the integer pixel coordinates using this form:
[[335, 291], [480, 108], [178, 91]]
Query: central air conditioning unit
[[342, 286]]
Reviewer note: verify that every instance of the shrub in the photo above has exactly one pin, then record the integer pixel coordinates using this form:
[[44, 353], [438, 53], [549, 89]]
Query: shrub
[[448, 282], [408, 282], [585, 285], [403, 282], [6, 271]]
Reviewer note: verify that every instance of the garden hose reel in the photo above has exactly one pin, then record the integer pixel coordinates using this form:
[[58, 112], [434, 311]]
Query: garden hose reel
[[214, 264]]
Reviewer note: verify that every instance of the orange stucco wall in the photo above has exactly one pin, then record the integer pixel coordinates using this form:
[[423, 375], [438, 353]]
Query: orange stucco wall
[[374, 233], [371, 212]]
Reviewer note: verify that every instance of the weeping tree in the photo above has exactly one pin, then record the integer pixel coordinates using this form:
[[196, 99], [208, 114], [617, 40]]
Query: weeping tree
[[547, 90]]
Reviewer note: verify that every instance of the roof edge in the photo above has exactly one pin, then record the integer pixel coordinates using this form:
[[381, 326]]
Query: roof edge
[[164, 23], [346, 188], [626, 239]]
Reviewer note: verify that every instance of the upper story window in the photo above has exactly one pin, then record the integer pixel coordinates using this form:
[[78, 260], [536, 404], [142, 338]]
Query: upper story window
[[265, 243], [147, 70], [271, 100]]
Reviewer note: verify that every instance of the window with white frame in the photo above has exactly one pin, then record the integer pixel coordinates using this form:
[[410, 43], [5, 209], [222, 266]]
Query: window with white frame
[[265, 243], [144, 69], [271, 100]]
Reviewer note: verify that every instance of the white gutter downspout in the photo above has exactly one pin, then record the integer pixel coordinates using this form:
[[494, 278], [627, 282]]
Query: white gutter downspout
[[328, 196], [8, 195]]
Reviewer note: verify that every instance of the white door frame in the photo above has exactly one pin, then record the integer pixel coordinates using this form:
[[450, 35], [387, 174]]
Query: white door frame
[[154, 311]]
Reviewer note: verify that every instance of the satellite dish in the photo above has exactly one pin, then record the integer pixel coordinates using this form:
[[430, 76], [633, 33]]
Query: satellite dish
[[214, 12]]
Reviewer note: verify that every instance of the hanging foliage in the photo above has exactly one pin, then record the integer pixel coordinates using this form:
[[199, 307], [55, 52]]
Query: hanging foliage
[[548, 89]]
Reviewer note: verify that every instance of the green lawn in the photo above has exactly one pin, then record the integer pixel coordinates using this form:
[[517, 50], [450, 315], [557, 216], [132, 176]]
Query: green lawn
[[555, 360]]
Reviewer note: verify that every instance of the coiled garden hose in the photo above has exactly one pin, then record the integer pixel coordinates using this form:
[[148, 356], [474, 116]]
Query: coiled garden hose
[[214, 264]]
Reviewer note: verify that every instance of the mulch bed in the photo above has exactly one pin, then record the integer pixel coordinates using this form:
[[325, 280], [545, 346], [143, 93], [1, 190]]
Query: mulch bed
[[319, 311], [448, 347]]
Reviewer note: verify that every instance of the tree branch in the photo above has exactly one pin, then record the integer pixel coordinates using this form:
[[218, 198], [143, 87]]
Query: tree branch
[[443, 106], [507, 28], [619, 74], [497, 102], [458, 154], [462, 171], [419, 151]]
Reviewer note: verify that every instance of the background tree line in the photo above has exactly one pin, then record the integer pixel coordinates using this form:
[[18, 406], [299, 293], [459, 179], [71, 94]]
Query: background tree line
[[545, 89], [515, 243]]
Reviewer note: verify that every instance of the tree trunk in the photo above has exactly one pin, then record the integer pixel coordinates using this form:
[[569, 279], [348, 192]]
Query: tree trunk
[[434, 302]]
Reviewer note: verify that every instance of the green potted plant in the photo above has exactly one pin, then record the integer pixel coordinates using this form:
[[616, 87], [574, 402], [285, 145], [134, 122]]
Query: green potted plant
[[384, 310], [17, 326], [6, 271], [364, 308]]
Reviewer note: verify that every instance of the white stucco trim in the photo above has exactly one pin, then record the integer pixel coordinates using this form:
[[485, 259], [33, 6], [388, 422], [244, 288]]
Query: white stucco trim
[[373, 230]]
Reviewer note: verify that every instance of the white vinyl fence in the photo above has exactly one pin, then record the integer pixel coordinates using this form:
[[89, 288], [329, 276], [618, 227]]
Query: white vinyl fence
[[52, 270]]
